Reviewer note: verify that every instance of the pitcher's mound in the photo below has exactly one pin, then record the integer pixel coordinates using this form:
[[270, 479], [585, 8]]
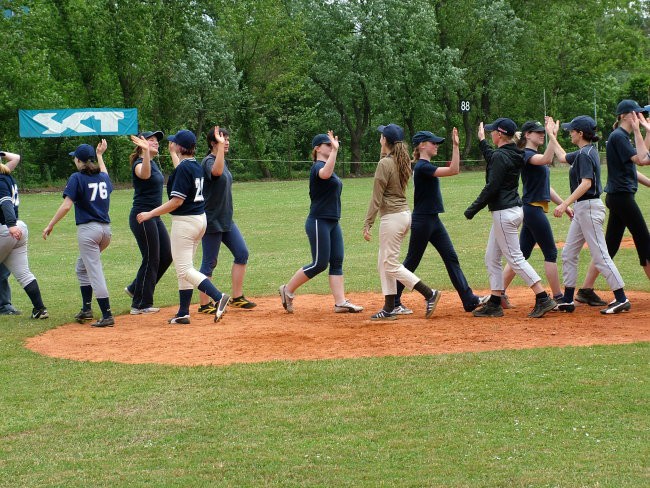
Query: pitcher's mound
[[314, 331]]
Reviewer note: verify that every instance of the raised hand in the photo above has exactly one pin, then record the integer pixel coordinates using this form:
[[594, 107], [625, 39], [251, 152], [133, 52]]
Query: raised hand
[[334, 140], [219, 137], [101, 147], [455, 140], [481, 132]]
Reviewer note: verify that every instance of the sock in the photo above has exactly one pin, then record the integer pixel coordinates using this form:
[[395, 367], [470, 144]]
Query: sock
[[557, 297], [86, 297], [105, 307], [209, 289], [495, 300], [542, 295], [34, 293], [389, 303], [620, 295], [185, 298], [423, 290], [569, 291]]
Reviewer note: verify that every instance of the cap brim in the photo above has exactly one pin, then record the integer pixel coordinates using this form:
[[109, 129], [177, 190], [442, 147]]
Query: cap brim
[[159, 135], [381, 128], [438, 140], [171, 138], [567, 126], [71, 154], [490, 127]]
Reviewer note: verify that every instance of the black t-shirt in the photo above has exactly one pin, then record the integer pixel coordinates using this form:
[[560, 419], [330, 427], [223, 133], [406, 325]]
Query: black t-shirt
[[621, 171], [427, 199], [536, 180], [325, 195], [585, 163], [147, 194], [217, 191]]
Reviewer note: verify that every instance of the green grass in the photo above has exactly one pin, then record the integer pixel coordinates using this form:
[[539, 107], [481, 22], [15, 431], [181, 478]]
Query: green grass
[[547, 417]]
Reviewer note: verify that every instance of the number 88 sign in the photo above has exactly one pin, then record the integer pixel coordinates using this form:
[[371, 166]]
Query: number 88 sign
[[464, 106]]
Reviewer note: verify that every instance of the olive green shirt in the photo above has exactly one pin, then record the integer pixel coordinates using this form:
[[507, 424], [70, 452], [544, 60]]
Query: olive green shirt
[[387, 193]]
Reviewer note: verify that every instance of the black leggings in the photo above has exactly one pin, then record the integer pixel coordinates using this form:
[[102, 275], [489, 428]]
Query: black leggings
[[624, 212]]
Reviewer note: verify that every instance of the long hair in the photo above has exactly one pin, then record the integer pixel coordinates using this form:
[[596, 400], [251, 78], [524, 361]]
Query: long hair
[[134, 155], [89, 167], [4, 169], [416, 154], [400, 153]]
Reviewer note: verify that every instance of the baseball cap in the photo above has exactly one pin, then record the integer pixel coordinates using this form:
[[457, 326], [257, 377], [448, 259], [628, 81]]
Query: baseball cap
[[424, 136], [646, 108], [392, 132], [627, 106], [84, 152], [583, 123], [157, 133], [532, 126], [320, 139], [183, 138], [503, 125]]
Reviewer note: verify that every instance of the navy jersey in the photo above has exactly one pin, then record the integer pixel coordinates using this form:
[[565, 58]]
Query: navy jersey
[[585, 163], [621, 171], [8, 193], [217, 192], [427, 197], [91, 197], [186, 182], [325, 195], [147, 194], [536, 180]]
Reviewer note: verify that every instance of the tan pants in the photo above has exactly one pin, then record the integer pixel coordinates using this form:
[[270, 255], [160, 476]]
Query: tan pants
[[392, 231], [187, 231]]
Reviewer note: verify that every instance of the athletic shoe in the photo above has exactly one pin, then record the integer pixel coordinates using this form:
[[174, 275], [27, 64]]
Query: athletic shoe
[[208, 308], [617, 307], [563, 306], [588, 296], [144, 311], [40, 313], [13, 311], [287, 300], [127, 291], [402, 310], [505, 302], [184, 319], [104, 322], [242, 302], [221, 307], [488, 309], [480, 301], [383, 315], [347, 307], [542, 306], [431, 303], [84, 316]]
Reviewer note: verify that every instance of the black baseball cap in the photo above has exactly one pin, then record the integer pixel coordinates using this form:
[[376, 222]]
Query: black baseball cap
[[183, 138], [84, 152], [583, 123], [392, 132], [320, 139], [504, 125], [424, 136], [157, 133], [532, 126], [627, 106]]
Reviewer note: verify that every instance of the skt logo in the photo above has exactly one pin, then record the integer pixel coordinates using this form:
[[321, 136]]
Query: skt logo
[[108, 122]]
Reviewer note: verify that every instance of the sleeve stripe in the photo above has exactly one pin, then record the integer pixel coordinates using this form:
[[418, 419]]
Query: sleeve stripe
[[4, 199], [178, 194]]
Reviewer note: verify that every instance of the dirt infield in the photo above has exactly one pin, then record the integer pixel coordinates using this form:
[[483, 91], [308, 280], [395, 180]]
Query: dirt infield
[[314, 331]]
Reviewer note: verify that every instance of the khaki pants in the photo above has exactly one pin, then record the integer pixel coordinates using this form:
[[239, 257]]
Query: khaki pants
[[392, 231], [187, 231]]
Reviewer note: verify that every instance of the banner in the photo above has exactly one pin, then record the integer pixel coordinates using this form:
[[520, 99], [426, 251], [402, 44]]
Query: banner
[[77, 122]]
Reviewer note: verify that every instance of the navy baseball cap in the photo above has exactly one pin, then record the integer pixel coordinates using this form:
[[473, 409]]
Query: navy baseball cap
[[532, 126], [583, 123], [183, 138], [392, 132], [504, 125], [646, 108], [627, 106], [424, 136], [157, 133], [84, 152], [320, 139]]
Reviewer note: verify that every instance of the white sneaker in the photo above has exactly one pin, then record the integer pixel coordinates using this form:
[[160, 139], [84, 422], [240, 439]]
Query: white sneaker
[[617, 307], [221, 307], [287, 300], [144, 311], [347, 307], [402, 310]]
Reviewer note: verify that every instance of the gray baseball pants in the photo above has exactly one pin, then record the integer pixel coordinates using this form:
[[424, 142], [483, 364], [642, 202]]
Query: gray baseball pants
[[93, 238]]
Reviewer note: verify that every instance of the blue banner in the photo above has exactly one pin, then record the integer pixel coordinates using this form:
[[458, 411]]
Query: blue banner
[[77, 122]]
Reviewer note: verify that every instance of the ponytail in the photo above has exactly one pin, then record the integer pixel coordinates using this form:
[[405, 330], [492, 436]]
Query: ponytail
[[400, 153]]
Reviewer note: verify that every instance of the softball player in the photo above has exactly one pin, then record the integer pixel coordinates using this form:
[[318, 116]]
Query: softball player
[[322, 227], [589, 215], [186, 205], [426, 226], [500, 195], [221, 228], [13, 237], [151, 236], [389, 200], [6, 308], [89, 191]]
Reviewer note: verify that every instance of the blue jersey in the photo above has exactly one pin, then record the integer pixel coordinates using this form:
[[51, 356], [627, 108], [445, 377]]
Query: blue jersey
[[427, 199], [536, 180], [91, 197], [147, 194], [8, 193], [218, 196], [621, 171], [325, 195], [585, 164], [186, 183]]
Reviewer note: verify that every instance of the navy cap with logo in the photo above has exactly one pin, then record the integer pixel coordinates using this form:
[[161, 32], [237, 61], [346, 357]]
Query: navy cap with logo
[[582, 123], [392, 132], [158, 134], [183, 138], [627, 106], [320, 139], [532, 126], [424, 136], [84, 152], [504, 125]]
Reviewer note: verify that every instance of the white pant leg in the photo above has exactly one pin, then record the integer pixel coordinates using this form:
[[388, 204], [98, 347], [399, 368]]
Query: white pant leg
[[186, 234], [572, 247], [493, 262], [506, 225], [92, 238], [392, 231], [16, 261]]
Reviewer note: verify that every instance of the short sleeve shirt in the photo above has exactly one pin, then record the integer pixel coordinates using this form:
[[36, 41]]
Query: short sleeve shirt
[[536, 180], [147, 194], [8, 193], [91, 195], [427, 197], [325, 195], [186, 183], [585, 163], [217, 191], [621, 171]]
